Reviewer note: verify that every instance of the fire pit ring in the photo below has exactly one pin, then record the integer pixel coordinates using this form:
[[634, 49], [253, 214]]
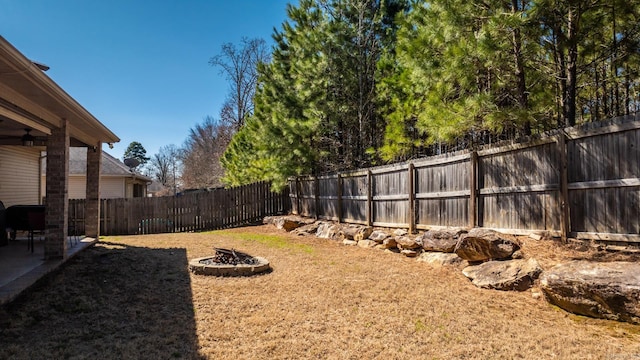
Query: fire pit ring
[[229, 263]]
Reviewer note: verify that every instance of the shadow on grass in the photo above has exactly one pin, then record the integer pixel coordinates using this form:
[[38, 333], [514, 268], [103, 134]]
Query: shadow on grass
[[110, 301]]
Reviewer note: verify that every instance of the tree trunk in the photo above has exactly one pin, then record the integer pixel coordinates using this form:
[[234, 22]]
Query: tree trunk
[[627, 93], [605, 95], [519, 67], [561, 70], [517, 57], [596, 114], [571, 68], [614, 63]]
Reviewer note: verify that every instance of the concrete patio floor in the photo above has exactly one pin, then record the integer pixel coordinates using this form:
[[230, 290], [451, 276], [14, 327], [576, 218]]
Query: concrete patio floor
[[20, 268]]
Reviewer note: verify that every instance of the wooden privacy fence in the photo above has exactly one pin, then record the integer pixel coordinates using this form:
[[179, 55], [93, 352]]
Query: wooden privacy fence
[[581, 182], [214, 209]]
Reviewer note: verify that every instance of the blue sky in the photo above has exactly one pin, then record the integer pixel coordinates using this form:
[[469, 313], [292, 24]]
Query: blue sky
[[139, 66]]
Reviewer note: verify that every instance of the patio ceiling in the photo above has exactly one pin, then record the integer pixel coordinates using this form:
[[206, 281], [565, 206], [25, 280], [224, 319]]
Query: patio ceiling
[[30, 99]]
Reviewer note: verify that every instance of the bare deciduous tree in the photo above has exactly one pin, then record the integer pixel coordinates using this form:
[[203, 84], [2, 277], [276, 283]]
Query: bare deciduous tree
[[165, 167], [239, 66], [201, 154]]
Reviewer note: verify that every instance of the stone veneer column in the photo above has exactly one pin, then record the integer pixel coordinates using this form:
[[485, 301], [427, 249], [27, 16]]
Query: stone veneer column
[[57, 204], [92, 205]]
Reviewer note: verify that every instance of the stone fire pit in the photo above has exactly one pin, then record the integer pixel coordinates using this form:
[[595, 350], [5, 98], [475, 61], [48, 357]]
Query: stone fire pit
[[229, 263]]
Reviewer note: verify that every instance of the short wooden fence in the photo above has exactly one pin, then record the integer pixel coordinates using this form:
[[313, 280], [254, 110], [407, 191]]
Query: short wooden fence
[[210, 210], [581, 182]]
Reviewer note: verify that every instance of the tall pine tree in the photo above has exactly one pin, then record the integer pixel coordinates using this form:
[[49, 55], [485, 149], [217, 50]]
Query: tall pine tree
[[315, 107], [461, 68]]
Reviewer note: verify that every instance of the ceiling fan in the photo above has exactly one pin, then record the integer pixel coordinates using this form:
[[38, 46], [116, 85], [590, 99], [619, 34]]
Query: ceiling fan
[[26, 139]]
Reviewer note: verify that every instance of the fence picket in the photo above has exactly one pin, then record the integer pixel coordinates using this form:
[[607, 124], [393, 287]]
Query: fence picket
[[583, 183], [215, 209]]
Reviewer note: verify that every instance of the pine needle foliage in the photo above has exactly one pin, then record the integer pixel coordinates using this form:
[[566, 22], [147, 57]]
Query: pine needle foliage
[[354, 83]]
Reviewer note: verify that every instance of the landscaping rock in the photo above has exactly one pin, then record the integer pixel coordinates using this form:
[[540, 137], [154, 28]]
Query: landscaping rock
[[327, 230], [440, 240], [367, 243], [535, 236], [363, 233], [378, 236], [405, 242], [601, 290], [349, 242], [390, 243], [400, 232], [504, 275], [289, 223], [536, 294], [268, 220], [286, 224], [306, 229], [483, 245], [440, 259], [355, 232], [409, 253]]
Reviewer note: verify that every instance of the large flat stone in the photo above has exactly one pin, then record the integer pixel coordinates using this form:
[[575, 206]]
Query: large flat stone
[[504, 275], [389, 243], [407, 243], [378, 236], [482, 245], [440, 240], [306, 229], [601, 290], [291, 222], [440, 259], [354, 232], [327, 230]]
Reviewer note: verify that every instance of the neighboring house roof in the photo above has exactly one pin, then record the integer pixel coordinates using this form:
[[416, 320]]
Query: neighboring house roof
[[156, 187], [110, 165]]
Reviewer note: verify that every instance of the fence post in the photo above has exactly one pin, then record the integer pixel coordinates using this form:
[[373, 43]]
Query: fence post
[[104, 217], [298, 212], [473, 189], [262, 211], [339, 198], [411, 216], [565, 226], [282, 198], [316, 190], [369, 198]]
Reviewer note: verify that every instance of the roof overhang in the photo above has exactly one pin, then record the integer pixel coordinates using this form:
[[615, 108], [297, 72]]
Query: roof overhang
[[30, 99]]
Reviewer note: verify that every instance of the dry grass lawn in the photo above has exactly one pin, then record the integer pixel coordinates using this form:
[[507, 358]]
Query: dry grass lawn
[[133, 298]]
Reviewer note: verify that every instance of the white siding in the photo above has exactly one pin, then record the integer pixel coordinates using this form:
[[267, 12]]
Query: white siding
[[111, 188], [77, 187], [19, 175]]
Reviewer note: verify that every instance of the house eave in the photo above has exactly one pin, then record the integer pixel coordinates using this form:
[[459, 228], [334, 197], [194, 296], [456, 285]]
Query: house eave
[[36, 100]]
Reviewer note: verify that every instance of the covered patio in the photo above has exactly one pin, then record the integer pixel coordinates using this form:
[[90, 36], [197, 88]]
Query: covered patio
[[19, 268], [39, 120]]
